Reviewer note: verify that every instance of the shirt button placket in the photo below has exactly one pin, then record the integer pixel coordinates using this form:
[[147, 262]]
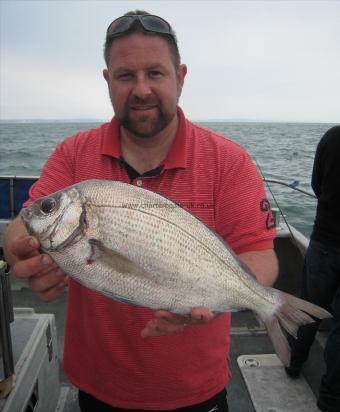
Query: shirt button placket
[[139, 182]]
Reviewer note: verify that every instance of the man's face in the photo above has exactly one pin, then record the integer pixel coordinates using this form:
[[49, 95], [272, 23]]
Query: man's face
[[143, 83]]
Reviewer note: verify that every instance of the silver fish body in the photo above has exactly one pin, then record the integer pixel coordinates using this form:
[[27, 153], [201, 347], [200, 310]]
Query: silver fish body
[[139, 247]]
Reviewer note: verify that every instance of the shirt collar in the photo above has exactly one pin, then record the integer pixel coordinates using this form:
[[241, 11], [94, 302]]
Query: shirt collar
[[176, 157], [111, 142]]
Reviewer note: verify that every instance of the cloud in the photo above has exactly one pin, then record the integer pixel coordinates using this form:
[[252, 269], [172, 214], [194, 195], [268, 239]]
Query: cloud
[[246, 59], [46, 92]]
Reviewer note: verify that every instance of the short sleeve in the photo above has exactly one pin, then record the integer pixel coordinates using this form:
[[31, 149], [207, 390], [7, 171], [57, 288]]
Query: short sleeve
[[57, 173], [243, 216]]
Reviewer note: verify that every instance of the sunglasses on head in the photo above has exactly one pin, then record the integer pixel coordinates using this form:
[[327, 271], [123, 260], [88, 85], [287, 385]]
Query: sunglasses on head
[[148, 21]]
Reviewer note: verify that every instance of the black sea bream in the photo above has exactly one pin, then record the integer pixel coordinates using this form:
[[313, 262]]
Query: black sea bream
[[139, 247]]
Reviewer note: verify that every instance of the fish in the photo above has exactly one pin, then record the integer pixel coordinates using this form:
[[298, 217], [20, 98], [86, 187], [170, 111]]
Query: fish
[[139, 247]]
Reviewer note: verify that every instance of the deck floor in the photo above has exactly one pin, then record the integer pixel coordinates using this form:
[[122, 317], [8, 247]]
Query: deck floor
[[247, 337]]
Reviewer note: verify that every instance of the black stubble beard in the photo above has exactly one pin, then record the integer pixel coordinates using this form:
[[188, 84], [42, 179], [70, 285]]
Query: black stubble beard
[[161, 122]]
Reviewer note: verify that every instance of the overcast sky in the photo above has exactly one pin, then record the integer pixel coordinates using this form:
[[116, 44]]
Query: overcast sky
[[247, 60]]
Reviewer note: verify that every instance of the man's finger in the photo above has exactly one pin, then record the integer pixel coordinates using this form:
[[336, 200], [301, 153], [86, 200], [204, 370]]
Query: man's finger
[[25, 246], [197, 316], [159, 327], [171, 317], [202, 315], [53, 293], [40, 263], [43, 283]]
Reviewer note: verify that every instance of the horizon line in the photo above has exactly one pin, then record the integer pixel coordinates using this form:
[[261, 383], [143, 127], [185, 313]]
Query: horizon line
[[211, 120]]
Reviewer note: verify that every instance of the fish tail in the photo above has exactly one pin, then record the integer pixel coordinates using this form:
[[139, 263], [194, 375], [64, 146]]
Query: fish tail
[[289, 316]]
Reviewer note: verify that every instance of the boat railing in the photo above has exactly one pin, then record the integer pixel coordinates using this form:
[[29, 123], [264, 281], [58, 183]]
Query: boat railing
[[14, 192], [293, 185]]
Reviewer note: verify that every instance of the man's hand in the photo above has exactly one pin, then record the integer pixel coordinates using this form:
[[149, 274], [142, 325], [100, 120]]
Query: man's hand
[[27, 262], [262, 263], [165, 322]]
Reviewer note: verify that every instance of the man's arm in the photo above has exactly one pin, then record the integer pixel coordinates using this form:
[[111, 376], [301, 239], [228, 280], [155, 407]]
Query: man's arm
[[27, 262], [263, 264]]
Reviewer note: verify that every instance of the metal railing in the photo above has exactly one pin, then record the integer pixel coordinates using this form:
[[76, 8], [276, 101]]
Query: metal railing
[[13, 193], [293, 186], [6, 318]]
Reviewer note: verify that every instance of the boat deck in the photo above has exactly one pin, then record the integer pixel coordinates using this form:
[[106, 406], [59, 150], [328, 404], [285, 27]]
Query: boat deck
[[248, 337]]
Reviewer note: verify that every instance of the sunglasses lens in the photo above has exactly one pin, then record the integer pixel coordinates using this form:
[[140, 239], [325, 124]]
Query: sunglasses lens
[[156, 24], [149, 22], [120, 25]]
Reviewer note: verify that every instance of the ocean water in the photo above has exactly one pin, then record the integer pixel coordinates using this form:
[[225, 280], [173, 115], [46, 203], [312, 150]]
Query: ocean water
[[283, 151]]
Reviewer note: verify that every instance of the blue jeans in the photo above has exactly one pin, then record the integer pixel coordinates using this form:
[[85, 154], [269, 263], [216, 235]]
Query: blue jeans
[[321, 285]]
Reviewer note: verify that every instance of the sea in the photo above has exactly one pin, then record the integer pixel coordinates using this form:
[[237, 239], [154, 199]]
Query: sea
[[281, 151]]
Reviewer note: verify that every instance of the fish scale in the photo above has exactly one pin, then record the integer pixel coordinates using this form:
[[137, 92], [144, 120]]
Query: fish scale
[[139, 247], [181, 255]]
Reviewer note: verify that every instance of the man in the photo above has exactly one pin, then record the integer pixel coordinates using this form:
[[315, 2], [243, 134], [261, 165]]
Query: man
[[149, 143], [321, 272]]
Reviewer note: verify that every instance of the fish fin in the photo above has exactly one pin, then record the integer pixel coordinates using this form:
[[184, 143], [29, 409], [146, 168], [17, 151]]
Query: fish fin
[[114, 259], [229, 309], [278, 339], [95, 251], [119, 298], [295, 312], [292, 313]]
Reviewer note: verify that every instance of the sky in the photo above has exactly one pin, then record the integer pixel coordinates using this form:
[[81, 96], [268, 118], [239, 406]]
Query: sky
[[247, 60]]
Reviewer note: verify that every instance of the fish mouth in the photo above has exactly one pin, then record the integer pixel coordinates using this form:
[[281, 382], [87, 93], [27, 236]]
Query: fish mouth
[[46, 236], [26, 215]]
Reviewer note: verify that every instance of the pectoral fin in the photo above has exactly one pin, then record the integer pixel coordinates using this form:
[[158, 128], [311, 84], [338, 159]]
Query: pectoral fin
[[113, 259]]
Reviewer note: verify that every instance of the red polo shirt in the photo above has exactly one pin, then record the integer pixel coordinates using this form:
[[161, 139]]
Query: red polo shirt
[[104, 354]]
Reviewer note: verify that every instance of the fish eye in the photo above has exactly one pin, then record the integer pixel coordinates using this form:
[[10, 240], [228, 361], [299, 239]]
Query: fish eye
[[48, 205]]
